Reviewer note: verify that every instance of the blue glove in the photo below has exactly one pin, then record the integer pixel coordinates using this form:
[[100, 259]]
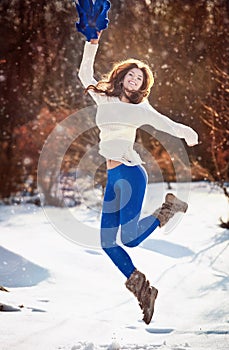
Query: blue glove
[[92, 17]]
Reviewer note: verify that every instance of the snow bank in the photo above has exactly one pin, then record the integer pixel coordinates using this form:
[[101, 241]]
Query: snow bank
[[66, 296]]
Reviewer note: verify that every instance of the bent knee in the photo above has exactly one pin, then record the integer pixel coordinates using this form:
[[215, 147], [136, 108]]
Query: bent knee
[[128, 239], [129, 243]]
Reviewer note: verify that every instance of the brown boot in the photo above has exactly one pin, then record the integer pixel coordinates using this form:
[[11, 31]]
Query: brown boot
[[171, 206], [145, 294]]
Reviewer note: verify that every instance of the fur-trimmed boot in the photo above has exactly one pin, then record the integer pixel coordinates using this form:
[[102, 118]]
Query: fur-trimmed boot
[[171, 206], [145, 294]]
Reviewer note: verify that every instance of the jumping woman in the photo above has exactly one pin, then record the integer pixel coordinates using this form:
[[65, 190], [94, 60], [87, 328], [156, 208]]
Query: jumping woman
[[122, 108]]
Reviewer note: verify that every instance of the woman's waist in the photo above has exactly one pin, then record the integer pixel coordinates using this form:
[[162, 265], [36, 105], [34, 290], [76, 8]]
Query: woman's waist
[[126, 156], [111, 164]]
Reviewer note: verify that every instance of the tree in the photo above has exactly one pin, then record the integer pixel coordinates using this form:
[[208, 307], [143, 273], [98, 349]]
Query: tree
[[35, 70], [216, 119]]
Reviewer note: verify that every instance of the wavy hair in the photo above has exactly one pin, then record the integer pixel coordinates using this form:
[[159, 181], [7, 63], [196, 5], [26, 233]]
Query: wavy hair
[[112, 84]]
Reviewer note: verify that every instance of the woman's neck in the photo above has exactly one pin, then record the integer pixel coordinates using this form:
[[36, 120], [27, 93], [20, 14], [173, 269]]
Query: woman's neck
[[124, 97]]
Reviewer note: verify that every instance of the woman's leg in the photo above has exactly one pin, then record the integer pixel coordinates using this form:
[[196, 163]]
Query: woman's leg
[[133, 230], [110, 222], [122, 205], [123, 200]]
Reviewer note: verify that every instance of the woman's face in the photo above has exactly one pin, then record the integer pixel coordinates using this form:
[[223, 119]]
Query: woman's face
[[133, 79]]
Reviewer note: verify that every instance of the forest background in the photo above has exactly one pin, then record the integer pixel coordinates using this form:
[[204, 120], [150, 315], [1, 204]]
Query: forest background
[[186, 44]]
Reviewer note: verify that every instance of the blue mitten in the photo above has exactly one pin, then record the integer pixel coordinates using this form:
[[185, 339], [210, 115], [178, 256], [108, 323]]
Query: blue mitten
[[92, 17]]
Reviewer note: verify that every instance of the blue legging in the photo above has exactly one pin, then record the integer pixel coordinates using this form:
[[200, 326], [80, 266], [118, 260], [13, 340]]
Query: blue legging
[[122, 206]]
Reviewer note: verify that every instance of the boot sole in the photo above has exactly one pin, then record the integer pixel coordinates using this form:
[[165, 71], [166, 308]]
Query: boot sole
[[148, 313], [181, 206]]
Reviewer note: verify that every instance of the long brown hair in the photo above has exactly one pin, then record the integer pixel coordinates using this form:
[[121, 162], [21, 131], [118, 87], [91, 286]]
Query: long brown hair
[[112, 85]]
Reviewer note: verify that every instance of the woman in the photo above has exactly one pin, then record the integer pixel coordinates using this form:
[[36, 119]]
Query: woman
[[122, 108]]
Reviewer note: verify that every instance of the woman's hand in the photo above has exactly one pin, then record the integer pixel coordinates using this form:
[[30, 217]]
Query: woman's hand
[[96, 41], [191, 137]]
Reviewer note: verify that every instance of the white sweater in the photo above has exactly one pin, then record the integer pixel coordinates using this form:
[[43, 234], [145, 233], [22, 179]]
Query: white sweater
[[118, 121]]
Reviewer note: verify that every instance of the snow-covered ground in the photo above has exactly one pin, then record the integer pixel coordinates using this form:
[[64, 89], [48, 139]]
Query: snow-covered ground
[[74, 298]]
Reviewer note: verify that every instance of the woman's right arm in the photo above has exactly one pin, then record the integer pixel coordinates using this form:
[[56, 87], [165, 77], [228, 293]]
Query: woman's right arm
[[86, 70]]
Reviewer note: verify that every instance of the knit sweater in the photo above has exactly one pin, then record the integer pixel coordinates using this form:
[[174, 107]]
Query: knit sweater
[[118, 121]]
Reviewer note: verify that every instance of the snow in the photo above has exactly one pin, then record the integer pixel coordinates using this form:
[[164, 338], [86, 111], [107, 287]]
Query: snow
[[68, 296]]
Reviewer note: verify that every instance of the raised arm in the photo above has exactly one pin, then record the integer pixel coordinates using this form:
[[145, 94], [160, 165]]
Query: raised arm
[[163, 123], [86, 70]]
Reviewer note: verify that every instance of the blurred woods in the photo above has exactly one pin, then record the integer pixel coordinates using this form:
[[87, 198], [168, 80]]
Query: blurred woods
[[186, 44]]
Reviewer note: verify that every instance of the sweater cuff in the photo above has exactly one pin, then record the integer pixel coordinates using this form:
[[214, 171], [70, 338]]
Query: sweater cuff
[[90, 48]]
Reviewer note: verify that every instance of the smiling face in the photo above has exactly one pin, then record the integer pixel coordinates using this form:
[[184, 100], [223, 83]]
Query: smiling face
[[130, 80], [133, 79]]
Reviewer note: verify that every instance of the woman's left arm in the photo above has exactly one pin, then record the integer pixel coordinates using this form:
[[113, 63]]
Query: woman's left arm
[[163, 123]]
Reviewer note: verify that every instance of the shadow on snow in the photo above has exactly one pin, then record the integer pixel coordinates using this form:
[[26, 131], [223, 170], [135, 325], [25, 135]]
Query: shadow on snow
[[16, 271], [166, 248]]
